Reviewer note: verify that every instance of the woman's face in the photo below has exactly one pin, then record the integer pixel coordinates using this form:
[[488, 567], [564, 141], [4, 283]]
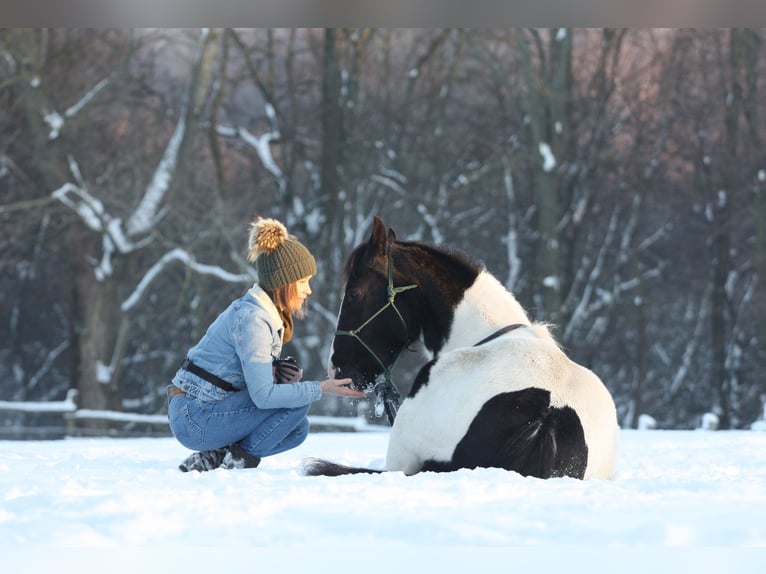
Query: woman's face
[[303, 290]]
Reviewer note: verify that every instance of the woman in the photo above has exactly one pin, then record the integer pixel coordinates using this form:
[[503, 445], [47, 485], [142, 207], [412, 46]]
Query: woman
[[232, 399]]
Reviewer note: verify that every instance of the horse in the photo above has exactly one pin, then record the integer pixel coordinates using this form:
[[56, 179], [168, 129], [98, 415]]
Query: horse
[[497, 391]]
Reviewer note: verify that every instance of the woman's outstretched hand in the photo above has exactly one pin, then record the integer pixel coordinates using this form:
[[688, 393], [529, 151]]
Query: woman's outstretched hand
[[340, 388]]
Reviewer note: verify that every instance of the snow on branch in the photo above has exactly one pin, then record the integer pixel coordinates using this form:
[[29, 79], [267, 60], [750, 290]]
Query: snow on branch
[[511, 238], [90, 209], [390, 183], [549, 160], [93, 214], [581, 310], [47, 363], [56, 121], [692, 343], [72, 111], [149, 210], [187, 259], [262, 145]]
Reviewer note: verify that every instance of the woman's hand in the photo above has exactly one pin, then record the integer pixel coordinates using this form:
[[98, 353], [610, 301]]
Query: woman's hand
[[287, 370], [340, 388]]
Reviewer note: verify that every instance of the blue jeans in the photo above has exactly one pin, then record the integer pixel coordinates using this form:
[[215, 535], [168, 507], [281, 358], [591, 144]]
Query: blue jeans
[[201, 425]]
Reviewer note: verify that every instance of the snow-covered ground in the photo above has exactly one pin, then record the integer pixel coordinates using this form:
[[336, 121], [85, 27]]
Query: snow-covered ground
[[702, 491]]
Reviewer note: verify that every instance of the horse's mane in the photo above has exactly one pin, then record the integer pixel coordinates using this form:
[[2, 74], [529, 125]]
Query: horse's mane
[[441, 253], [348, 268], [455, 257]]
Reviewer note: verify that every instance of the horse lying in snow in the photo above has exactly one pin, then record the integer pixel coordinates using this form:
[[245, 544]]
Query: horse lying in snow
[[499, 391]]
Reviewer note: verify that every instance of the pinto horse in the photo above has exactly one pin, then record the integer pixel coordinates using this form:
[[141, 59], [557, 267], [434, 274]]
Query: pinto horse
[[498, 390]]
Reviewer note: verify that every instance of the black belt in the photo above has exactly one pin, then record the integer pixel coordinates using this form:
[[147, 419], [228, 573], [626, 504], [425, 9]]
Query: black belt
[[187, 365]]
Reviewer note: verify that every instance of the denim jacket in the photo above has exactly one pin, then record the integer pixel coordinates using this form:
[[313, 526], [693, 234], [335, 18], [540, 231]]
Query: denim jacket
[[239, 347]]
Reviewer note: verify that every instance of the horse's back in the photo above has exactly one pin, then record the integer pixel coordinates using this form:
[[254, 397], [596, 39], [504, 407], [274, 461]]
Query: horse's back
[[518, 403]]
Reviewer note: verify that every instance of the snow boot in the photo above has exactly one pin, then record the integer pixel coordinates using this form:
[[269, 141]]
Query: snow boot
[[237, 457], [203, 460]]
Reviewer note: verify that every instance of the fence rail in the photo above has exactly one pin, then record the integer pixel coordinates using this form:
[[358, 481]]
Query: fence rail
[[118, 423]]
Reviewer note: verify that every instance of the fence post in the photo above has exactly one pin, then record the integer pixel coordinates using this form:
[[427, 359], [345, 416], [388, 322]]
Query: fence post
[[70, 420]]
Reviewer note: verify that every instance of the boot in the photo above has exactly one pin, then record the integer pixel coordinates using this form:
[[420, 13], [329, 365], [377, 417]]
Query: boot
[[237, 457], [203, 460]]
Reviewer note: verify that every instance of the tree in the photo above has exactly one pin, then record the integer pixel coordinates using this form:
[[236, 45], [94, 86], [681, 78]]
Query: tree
[[107, 247], [583, 167]]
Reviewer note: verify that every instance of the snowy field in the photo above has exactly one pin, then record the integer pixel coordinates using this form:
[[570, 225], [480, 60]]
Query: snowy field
[[680, 502]]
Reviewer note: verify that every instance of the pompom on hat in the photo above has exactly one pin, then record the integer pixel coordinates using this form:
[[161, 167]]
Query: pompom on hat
[[279, 257]]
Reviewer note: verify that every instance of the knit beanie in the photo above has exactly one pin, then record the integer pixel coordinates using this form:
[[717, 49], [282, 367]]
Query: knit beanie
[[280, 258]]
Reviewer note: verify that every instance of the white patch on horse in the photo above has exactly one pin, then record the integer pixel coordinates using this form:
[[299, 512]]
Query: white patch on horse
[[331, 370], [486, 306], [429, 425], [459, 396]]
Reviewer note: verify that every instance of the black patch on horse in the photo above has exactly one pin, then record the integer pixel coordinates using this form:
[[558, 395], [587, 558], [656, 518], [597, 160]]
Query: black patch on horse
[[520, 431], [422, 378]]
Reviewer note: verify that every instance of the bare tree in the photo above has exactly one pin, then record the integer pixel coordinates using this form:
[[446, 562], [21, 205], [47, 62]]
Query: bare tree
[[107, 244], [612, 178]]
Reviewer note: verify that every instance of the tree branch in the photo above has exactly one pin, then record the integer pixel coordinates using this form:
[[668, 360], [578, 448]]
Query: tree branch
[[187, 259]]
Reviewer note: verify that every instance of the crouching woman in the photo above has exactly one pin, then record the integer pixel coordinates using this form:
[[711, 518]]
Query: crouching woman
[[233, 401]]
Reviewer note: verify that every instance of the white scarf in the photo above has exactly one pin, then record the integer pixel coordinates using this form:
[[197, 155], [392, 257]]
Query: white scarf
[[265, 301]]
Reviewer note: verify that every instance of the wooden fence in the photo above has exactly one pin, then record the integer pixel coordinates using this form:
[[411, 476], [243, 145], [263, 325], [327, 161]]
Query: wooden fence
[[60, 419]]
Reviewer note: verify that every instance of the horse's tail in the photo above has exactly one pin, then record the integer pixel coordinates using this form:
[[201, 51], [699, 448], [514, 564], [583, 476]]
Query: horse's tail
[[552, 445], [321, 467]]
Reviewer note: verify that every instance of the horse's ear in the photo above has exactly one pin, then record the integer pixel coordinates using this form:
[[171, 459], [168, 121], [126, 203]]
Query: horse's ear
[[377, 244], [391, 234]]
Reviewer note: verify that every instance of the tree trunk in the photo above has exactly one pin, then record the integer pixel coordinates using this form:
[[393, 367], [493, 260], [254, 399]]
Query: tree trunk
[[97, 316], [99, 329], [331, 153], [547, 85]]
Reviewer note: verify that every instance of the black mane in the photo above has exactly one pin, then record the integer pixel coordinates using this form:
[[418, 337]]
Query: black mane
[[450, 257], [448, 273], [442, 274]]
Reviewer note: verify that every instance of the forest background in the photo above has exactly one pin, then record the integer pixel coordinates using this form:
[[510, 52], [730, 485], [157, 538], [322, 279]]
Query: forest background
[[613, 179]]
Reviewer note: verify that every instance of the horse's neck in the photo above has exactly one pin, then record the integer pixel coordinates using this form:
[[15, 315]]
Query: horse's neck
[[486, 307]]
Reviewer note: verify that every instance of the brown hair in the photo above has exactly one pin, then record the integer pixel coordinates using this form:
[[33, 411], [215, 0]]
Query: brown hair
[[286, 300]]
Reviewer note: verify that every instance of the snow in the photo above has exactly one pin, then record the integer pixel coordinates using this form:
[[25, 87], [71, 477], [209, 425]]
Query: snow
[[90, 209], [646, 422], [149, 210], [704, 492], [56, 122], [262, 146], [549, 160], [551, 282], [66, 406], [86, 99]]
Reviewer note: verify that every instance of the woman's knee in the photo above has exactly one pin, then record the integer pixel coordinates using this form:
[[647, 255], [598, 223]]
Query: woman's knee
[[301, 431], [294, 438]]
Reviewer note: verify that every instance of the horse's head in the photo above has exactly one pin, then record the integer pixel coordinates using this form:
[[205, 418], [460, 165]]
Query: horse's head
[[378, 317]]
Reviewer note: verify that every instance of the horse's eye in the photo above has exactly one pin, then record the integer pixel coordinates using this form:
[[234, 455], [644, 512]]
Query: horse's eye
[[354, 294]]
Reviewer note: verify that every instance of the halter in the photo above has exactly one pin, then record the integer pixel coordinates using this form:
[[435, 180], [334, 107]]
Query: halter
[[386, 395]]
